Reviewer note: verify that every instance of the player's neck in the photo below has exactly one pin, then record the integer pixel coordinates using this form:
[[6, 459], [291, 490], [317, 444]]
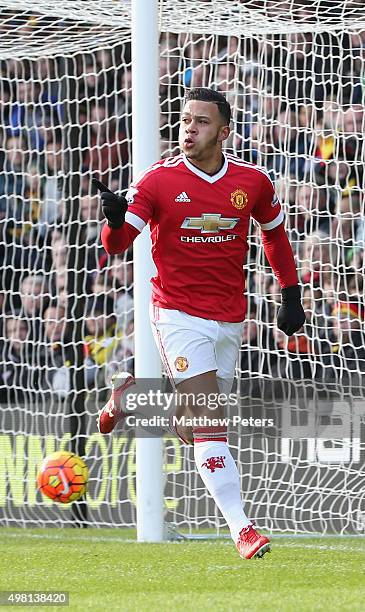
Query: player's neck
[[211, 166]]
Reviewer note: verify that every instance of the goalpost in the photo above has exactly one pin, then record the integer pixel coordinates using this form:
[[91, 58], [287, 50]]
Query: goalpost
[[146, 150], [294, 74]]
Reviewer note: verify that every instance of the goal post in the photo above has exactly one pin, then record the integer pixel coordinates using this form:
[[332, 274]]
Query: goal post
[[145, 151], [294, 75]]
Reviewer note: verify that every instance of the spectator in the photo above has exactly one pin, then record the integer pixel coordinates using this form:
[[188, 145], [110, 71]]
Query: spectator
[[122, 358], [294, 356], [123, 275], [106, 151], [19, 375], [289, 146], [101, 338], [34, 300], [251, 355], [308, 133], [59, 250], [12, 178], [52, 205], [60, 349], [27, 113], [59, 284], [91, 216], [124, 109], [317, 261], [315, 209], [344, 359], [34, 295], [170, 94], [15, 190], [17, 251]]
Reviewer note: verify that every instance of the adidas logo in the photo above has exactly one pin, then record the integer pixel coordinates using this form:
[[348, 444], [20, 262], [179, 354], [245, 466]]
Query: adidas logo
[[182, 197]]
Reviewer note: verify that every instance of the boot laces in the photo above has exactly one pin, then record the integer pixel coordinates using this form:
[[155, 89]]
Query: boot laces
[[248, 534], [111, 408]]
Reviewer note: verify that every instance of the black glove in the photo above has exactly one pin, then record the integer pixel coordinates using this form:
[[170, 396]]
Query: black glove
[[114, 207], [291, 315]]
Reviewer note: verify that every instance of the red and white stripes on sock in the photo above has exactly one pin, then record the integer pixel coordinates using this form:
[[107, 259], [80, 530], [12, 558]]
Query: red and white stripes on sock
[[219, 473]]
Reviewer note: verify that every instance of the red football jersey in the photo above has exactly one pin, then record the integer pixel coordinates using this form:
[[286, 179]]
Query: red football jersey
[[199, 226]]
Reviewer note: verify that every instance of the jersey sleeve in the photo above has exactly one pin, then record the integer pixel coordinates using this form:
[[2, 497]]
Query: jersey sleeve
[[141, 198], [118, 240], [267, 211]]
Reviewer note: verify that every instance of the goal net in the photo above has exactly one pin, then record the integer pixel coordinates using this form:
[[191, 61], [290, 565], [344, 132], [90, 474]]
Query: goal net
[[294, 74]]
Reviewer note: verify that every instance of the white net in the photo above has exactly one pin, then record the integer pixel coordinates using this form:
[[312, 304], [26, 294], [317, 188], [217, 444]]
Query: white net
[[295, 80]]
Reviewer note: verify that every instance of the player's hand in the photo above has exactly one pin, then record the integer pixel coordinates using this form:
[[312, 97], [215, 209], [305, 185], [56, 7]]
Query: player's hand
[[291, 315], [113, 206]]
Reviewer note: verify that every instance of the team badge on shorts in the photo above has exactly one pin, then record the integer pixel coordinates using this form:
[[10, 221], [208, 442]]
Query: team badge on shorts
[[181, 364], [239, 199]]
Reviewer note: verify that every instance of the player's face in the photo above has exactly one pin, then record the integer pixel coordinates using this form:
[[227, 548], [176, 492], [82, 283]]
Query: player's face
[[202, 130]]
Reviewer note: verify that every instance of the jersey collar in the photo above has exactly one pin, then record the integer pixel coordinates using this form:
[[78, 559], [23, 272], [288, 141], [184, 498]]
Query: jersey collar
[[203, 175]]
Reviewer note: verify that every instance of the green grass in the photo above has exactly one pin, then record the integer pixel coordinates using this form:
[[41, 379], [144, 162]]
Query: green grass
[[104, 570]]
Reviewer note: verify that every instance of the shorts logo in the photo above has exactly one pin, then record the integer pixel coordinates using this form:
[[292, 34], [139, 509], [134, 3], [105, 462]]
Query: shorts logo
[[239, 199], [181, 364]]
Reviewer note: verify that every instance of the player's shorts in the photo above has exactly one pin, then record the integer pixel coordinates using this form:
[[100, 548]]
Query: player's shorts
[[190, 346]]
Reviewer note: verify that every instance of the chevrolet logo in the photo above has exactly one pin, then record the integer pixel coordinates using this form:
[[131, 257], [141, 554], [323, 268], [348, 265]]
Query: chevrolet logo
[[210, 223]]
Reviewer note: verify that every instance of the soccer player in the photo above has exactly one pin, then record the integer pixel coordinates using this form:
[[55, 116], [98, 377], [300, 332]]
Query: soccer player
[[199, 205]]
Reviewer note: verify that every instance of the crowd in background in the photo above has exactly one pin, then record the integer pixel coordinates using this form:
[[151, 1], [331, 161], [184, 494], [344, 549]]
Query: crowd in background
[[298, 110]]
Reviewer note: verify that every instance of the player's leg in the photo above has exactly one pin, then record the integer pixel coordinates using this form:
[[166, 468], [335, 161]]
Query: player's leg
[[186, 351], [115, 411], [112, 412], [216, 465], [213, 458], [188, 348], [250, 543]]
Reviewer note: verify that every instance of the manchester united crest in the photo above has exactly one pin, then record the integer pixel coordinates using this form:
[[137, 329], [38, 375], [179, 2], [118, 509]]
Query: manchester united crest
[[181, 364], [239, 199]]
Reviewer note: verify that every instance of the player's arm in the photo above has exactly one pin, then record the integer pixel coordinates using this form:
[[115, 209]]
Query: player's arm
[[280, 256], [118, 240], [279, 253], [121, 226]]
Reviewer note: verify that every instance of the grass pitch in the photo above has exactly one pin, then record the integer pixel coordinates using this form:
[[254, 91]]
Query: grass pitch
[[104, 570]]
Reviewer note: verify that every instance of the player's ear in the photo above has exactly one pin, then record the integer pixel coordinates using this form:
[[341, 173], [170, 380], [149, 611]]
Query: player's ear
[[224, 132]]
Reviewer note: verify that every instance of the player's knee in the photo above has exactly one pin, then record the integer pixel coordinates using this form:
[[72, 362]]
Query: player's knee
[[185, 434]]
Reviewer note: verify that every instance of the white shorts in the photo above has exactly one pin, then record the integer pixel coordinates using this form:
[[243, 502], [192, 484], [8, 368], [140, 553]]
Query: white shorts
[[191, 345]]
